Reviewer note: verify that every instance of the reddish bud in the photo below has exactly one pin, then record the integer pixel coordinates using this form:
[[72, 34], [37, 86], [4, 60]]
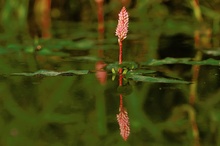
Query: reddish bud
[[122, 27]]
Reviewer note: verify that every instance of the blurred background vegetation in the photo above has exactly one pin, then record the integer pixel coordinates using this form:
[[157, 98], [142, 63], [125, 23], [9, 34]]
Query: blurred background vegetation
[[80, 106]]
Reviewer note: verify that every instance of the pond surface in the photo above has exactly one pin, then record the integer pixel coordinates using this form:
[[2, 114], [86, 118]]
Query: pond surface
[[64, 91]]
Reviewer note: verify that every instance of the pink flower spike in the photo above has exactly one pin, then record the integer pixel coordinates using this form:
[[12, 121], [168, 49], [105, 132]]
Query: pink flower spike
[[122, 27], [123, 122]]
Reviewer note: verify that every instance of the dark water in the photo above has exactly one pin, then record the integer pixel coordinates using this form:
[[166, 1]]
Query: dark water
[[62, 91]]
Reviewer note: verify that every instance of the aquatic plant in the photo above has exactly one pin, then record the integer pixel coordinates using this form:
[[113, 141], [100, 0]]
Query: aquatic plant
[[121, 32]]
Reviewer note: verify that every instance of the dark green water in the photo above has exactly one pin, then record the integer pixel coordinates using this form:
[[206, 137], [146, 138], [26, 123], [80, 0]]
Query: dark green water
[[62, 91]]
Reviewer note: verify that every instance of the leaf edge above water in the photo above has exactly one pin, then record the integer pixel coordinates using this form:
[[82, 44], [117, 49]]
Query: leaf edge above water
[[52, 73]]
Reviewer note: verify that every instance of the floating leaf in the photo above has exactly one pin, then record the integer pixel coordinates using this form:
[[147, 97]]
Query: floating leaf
[[213, 52], [86, 58], [188, 61], [68, 44], [167, 60], [11, 48], [85, 44], [53, 73], [140, 72], [205, 62], [47, 51], [155, 79]]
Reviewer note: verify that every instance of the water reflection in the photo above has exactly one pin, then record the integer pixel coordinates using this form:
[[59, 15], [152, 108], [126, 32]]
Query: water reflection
[[63, 93], [74, 108]]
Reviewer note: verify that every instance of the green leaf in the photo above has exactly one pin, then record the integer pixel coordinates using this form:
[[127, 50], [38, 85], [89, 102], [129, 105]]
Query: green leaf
[[206, 62], [86, 58], [53, 73], [213, 52], [155, 79], [167, 60], [141, 72], [85, 44], [188, 61], [46, 51]]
